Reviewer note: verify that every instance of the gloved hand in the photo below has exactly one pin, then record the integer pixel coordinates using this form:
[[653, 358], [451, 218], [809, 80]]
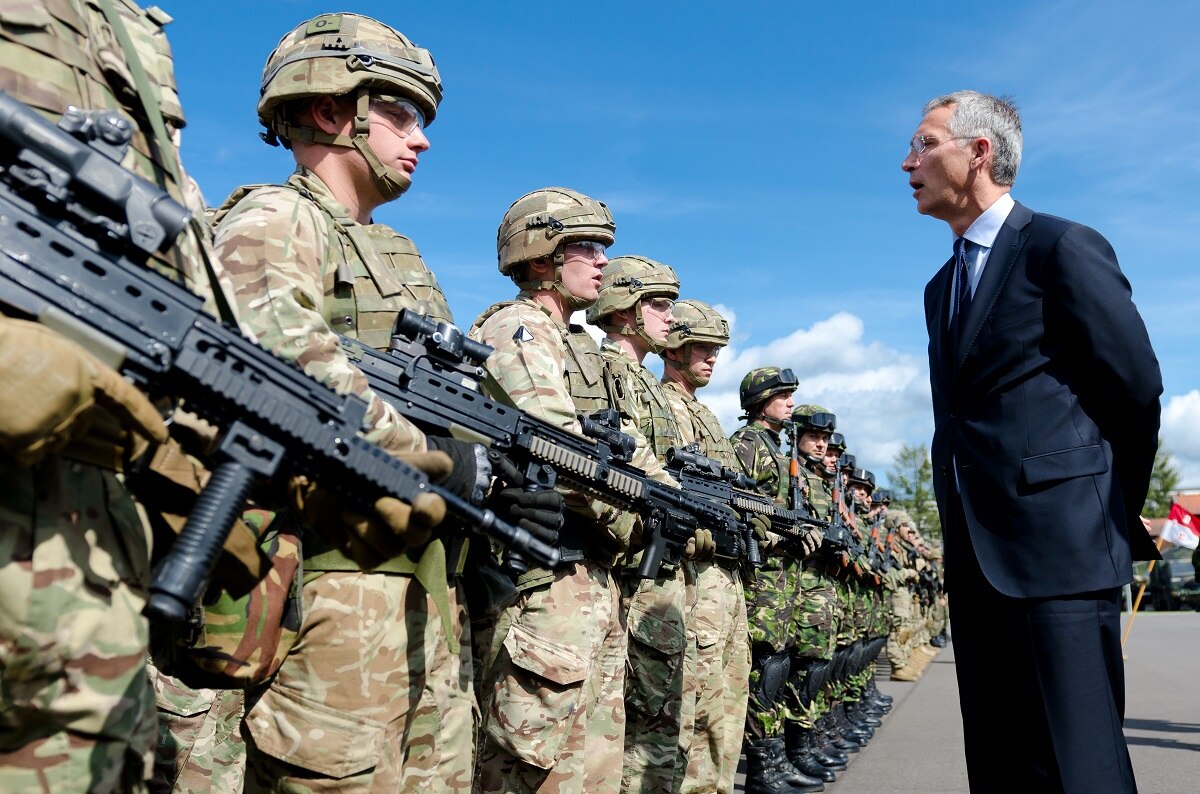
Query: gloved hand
[[52, 392], [700, 546], [811, 541], [472, 472], [539, 512], [386, 532]]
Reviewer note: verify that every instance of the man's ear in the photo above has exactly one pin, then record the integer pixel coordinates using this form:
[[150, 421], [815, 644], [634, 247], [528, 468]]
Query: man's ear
[[541, 269], [982, 152], [327, 114]]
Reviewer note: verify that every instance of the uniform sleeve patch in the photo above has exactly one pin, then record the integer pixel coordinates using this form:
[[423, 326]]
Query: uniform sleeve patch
[[522, 334]]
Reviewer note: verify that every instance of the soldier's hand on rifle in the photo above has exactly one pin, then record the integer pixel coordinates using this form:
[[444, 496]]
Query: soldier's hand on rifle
[[471, 473], [53, 393], [391, 527], [810, 541], [700, 546], [540, 512], [760, 526]]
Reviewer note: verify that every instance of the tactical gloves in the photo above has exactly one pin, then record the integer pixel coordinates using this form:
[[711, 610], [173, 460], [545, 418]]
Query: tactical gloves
[[53, 393], [540, 512], [369, 539], [471, 473], [700, 546]]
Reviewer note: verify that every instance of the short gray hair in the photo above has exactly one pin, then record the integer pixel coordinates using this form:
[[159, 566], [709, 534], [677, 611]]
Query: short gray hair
[[979, 115]]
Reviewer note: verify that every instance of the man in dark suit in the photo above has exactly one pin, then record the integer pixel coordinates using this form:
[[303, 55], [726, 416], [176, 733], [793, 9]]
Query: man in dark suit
[[1046, 413]]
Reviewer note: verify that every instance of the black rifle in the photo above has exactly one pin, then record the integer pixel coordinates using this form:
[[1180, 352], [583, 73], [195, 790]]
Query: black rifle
[[838, 544], [433, 375], [76, 230]]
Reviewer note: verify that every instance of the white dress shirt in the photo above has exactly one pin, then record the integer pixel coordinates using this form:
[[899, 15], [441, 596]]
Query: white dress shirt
[[983, 234]]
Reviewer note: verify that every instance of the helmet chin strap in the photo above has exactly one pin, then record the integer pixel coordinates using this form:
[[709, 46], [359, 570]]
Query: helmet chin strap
[[640, 331], [574, 302], [390, 182]]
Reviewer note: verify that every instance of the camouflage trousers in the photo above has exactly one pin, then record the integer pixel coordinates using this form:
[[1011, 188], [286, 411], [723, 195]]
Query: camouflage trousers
[[554, 708], [718, 620], [370, 698], [660, 679], [200, 746], [816, 634], [76, 705], [772, 605], [899, 644]]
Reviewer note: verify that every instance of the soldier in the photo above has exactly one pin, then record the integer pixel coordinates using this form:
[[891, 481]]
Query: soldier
[[718, 616], [381, 669], [553, 680], [77, 705], [904, 606], [819, 612], [634, 310], [766, 398]]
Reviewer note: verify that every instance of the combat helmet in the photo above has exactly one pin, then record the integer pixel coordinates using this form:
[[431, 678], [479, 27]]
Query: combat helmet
[[761, 384], [696, 321], [540, 223], [837, 442], [857, 476], [812, 418], [627, 281], [347, 55]]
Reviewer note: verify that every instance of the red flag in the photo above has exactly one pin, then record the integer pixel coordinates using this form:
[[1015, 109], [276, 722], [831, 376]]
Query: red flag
[[1184, 518]]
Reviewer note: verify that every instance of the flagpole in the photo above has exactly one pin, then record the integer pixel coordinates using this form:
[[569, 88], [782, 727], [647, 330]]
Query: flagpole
[[1137, 602]]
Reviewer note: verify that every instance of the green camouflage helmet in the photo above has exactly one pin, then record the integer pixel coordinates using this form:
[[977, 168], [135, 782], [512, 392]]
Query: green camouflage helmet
[[696, 321], [347, 54], [539, 223], [814, 418], [894, 519], [765, 382], [627, 281]]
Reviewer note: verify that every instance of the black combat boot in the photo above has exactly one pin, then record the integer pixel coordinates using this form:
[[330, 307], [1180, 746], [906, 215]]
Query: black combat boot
[[860, 714], [799, 752], [851, 730], [764, 773], [837, 735], [823, 749], [791, 775]]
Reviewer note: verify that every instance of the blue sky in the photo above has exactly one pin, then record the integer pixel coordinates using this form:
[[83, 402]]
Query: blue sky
[[755, 147]]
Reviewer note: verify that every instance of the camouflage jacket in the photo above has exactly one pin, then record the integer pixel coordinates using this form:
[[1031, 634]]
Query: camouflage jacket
[[818, 493], [699, 425], [645, 413], [757, 449], [301, 271], [548, 368], [65, 54]]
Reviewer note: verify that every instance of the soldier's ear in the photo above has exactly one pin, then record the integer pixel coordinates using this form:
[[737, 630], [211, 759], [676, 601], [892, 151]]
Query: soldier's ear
[[541, 269], [329, 114]]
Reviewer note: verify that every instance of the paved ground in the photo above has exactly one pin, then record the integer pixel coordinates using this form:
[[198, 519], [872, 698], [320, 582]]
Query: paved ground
[[919, 747]]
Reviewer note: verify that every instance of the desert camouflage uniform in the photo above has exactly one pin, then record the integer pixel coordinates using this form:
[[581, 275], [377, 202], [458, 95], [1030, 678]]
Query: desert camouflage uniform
[[660, 683], [200, 747], [381, 669], [771, 596], [554, 678], [904, 607], [718, 620], [76, 703]]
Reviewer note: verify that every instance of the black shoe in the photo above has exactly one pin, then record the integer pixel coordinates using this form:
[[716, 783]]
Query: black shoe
[[768, 771], [860, 716], [797, 742], [823, 749]]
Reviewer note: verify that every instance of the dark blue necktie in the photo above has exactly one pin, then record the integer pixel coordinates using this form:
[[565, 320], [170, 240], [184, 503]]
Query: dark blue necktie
[[962, 281]]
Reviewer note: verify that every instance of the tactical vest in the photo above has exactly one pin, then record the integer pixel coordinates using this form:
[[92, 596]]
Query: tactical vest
[[583, 363], [370, 272], [818, 494], [59, 54], [636, 392], [778, 481]]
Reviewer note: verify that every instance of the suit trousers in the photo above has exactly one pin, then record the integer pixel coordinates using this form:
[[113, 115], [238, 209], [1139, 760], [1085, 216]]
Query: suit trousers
[[1041, 683]]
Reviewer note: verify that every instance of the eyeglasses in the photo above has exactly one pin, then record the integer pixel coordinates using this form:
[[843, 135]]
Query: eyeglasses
[[706, 351], [923, 143], [587, 248], [405, 116], [660, 305]]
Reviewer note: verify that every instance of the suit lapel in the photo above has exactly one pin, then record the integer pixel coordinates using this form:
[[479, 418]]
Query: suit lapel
[[940, 350], [999, 264]]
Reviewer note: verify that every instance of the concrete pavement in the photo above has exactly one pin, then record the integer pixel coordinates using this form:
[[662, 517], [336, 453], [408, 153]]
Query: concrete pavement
[[920, 746]]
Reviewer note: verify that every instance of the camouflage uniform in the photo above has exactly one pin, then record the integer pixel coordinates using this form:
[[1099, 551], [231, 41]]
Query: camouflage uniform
[[770, 597], [660, 685], [718, 620], [553, 681], [77, 705], [395, 706]]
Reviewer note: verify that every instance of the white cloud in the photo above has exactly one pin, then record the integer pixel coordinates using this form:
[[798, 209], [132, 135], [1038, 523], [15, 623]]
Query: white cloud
[[1181, 434]]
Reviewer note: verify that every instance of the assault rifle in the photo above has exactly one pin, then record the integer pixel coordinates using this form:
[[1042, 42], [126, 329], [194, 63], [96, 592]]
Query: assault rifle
[[838, 543], [76, 230], [432, 374], [703, 474]]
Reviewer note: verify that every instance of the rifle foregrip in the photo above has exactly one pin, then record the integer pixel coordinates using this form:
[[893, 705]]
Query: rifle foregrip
[[180, 579], [753, 553]]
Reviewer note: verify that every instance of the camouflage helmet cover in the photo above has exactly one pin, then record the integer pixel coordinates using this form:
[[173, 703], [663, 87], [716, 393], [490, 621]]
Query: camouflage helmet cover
[[803, 416], [696, 321], [536, 224], [628, 280], [894, 519], [337, 54], [765, 382]]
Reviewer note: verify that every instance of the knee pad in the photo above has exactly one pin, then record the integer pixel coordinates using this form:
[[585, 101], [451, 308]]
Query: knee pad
[[773, 670], [818, 677]]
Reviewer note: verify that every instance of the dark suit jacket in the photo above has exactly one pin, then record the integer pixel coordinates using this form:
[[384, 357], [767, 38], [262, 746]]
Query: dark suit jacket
[[1050, 408]]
